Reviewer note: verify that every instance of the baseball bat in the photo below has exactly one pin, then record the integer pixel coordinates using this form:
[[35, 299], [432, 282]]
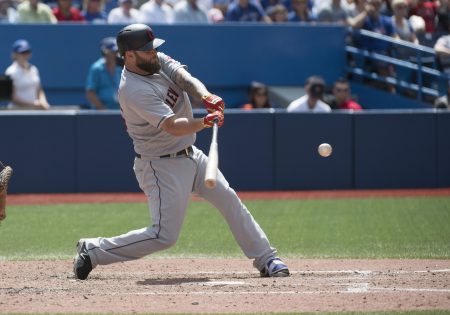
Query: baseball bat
[[213, 159]]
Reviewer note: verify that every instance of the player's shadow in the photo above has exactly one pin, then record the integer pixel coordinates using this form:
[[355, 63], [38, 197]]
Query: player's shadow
[[172, 281]]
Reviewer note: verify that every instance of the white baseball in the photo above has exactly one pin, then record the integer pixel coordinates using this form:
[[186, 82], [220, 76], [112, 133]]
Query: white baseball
[[325, 149]]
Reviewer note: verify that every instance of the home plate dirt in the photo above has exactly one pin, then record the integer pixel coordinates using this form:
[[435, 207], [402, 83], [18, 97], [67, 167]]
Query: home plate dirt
[[225, 286]]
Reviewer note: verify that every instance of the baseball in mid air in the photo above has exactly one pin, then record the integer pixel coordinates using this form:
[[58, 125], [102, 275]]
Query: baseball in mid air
[[325, 149]]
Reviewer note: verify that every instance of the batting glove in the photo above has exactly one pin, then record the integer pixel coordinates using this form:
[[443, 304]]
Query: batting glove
[[208, 120], [213, 103]]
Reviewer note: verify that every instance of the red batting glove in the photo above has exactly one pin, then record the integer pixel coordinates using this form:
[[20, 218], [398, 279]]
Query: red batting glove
[[213, 103], [208, 120]]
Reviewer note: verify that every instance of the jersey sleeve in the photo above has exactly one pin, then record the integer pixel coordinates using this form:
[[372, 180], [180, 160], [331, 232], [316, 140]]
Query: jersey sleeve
[[168, 65]]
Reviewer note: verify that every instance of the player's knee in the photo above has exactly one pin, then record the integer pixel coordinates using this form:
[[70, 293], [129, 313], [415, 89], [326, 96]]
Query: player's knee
[[168, 240]]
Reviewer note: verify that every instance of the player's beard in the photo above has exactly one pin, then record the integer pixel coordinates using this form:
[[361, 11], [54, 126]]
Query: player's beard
[[147, 65]]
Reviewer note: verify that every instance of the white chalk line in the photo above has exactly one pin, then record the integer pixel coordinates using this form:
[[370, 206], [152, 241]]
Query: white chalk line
[[350, 287], [307, 272]]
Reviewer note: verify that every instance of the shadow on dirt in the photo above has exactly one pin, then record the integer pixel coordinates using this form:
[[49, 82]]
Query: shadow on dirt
[[173, 281]]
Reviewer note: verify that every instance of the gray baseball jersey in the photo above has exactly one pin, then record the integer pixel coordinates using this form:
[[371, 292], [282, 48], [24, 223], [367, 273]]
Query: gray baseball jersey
[[146, 101]]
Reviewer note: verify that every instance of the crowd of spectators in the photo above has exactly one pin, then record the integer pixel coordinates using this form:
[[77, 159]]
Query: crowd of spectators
[[425, 22], [413, 20]]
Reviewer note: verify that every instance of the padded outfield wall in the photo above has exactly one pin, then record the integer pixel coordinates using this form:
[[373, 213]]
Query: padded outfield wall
[[90, 151]]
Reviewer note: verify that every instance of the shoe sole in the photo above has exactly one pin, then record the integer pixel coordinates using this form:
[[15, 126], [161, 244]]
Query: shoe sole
[[281, 273], [78, 246]]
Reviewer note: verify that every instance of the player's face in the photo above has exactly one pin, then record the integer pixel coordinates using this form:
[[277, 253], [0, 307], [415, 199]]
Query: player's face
[[148, 61]]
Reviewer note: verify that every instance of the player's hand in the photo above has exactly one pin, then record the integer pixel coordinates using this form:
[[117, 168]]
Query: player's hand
[[208, 120], [213, 103]]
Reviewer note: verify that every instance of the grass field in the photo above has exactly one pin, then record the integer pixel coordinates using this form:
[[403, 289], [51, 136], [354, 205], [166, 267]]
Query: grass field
[[329, 228]]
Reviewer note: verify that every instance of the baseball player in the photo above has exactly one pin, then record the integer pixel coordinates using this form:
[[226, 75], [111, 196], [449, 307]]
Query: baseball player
[[153, 96]]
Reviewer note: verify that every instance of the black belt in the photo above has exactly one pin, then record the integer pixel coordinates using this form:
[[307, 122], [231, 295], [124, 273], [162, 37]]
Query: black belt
[[185, 152]]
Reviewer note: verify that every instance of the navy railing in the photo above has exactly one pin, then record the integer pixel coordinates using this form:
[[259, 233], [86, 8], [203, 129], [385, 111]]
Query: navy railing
[[418, 74]]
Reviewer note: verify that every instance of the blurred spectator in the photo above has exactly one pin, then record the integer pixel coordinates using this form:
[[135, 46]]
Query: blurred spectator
[[33, 11], [300, 12], [27, 89], [428, 11], [8, 13], [111, 4], [386, 8], [156, 12], [66, 12], [93, 11], [442, 48], [381, 24], [215, 15], [104, 77], [443, 17], [332, 12], [418, 25], [342, 96], [401, 24], [270, 3], [312, 100], [357, 14], [221, 5], [378, 23], [125, 13], [246, 11], [443, 101], [189, 11], [278, 13], [258, 96]]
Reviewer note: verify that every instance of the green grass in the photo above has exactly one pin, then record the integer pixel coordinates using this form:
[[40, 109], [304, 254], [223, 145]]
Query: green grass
[[330, 228]]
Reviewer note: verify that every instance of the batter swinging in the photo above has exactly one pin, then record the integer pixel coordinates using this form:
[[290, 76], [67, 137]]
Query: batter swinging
[[153, 96]]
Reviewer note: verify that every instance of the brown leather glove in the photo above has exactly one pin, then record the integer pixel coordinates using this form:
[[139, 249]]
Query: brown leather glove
[[208, 120], [5, 175]]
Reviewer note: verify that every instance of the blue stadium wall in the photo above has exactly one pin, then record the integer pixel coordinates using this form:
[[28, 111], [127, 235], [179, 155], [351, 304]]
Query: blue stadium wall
[[225, 57], [91, 152]]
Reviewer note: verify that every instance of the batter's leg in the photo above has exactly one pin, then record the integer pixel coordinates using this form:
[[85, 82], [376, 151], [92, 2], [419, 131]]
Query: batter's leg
[[167, 184], [247, 232]]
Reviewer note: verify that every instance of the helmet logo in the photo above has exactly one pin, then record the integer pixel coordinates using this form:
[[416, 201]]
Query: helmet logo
[[150, 35]]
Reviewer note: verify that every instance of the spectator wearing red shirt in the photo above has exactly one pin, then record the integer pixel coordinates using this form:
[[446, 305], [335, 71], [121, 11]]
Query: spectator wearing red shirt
[[66, 12], [341, 96], [427, 9]]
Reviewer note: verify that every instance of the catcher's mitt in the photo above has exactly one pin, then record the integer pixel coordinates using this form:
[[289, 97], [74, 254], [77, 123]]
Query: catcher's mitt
[[5, 175]]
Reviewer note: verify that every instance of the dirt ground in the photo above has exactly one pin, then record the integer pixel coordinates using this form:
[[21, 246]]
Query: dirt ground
[[224, 285]]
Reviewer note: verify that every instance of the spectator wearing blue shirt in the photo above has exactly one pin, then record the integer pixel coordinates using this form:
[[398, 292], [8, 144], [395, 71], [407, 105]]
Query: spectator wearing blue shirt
[[381, 24], [301, 12], [378, 23], [93, 11], [104, 77], [246, 11]]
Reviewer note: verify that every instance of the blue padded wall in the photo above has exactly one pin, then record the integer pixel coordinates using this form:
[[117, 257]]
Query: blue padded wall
[[245, 149], [41, 150], [395, 150], [105, 153], [443, 152], [297, 162]]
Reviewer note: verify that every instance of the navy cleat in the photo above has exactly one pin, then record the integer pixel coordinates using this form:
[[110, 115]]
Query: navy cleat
[[275, 268], [82, 265]]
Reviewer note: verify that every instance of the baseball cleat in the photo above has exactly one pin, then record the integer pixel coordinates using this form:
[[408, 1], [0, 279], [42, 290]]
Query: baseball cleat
[[275, 268], [82, 265]]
